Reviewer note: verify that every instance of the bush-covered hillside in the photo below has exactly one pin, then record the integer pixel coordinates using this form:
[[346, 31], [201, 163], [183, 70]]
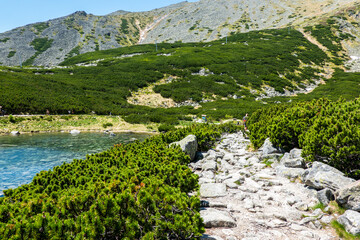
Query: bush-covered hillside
[[135, 191], [327, 131], [281, 58]]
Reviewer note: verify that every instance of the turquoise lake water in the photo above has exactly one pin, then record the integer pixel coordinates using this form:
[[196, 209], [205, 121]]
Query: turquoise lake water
[[21, 157]]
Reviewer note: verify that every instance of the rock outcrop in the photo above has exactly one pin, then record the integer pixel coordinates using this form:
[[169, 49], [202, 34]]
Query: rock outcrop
[[351, 221], [321, 176], [188, 145], [349, 196], [204, 20]]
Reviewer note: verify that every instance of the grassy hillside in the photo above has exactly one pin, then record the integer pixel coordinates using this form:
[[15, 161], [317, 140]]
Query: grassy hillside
[[282, 59]]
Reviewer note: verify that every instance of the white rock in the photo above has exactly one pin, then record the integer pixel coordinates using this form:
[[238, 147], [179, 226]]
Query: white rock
[[74, 132], [208, 174], [351, 220], [209, 166], [327, 219], [211, 190], [214, 218]]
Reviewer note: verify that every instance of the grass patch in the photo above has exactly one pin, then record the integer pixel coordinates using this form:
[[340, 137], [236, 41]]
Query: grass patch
[[319, 206], [342, 233], [11, 54], [40, 45], [267, 162]]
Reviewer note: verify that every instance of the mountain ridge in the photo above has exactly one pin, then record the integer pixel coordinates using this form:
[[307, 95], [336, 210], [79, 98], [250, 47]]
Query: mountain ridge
[[53, 41]]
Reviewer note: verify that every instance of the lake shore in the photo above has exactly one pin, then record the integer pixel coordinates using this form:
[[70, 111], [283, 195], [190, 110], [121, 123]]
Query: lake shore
[[31, 124]]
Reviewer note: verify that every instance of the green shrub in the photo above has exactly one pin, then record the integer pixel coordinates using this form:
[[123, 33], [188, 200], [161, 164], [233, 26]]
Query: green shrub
[[326, 131], [134, 191], [105, 125], [12, 119], [165, 128]]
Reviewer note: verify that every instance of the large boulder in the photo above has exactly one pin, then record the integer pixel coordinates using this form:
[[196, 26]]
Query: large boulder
[[268, 148], [188, 145], [351, 221], [349, 196], [215, 218], [321, 176]]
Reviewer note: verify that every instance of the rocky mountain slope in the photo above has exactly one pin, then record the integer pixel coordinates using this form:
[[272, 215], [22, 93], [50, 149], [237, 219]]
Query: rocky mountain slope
[[49, 43]]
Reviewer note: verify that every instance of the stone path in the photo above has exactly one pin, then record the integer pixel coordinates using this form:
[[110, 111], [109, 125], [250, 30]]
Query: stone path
[[244, 198]]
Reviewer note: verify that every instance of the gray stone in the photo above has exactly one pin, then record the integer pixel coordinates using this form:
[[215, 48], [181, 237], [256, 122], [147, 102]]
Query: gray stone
[[211, 190], [253, 160], [209, 237], [321, 176], [317, 213], [233, 182], [293, 163], [241, 196], [248, 203], [203, 180], [268, 148], [349, 196], [291, 201], [210, 155], [276, 223], [327, 219], [209, 166], [351, 221], [295, 153], [228, 157], [188, 145], [214, 218], [289, 172], [325, 196], [274, 157], [222, 177], [296, 227], [208, 174], [307, 220], [217, 205], [301, 206], [231, 238]]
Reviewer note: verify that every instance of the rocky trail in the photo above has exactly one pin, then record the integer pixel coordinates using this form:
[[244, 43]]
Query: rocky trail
[[255, 195]]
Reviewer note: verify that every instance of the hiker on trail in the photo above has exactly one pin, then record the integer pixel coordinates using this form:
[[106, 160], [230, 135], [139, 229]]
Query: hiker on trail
[[244, 120]]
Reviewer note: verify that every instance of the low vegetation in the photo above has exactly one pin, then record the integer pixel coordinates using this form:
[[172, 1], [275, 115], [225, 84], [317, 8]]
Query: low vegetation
[[327, 131], [55, 123], [248, 61], [40, 45], [135, 191]]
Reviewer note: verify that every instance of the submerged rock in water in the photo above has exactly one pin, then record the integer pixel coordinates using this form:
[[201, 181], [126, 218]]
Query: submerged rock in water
[[74, 132]]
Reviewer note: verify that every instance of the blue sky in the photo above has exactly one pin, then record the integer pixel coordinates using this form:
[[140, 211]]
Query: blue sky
[[16, 13]]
